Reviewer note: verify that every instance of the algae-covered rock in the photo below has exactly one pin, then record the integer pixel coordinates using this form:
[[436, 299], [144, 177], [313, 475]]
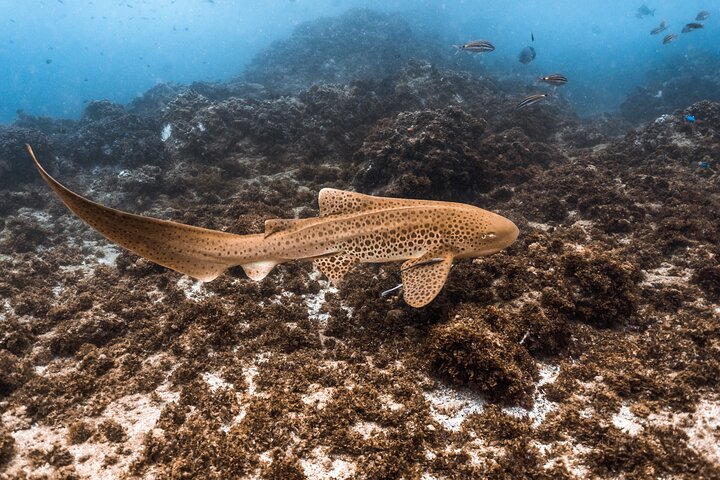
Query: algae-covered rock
[[467, 351]]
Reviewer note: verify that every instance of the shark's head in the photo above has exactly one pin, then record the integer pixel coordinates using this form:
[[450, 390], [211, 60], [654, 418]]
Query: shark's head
[[491, 233]]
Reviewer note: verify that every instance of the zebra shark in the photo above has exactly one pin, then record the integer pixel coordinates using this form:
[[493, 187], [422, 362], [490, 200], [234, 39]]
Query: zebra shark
[[352, 228]]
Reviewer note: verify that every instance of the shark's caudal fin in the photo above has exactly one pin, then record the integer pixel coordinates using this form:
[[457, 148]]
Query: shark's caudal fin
[[201, 253]]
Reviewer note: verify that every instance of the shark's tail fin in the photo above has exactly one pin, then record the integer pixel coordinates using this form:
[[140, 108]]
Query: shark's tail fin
[[201, 253]]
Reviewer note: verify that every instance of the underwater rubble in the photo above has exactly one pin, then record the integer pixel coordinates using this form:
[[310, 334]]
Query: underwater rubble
[[588, 349]]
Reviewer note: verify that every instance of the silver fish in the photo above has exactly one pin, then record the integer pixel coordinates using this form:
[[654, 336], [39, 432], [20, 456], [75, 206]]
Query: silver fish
[[702, 15], [644, 11], [555, 79], [531, 100], [661, 28], [691, 26], [476, 46], [527, 55], [669, 38]]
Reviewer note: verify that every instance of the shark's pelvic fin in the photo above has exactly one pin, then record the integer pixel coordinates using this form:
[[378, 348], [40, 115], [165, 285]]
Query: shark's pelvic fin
[[201, 253], [424, 277], [258, 270]]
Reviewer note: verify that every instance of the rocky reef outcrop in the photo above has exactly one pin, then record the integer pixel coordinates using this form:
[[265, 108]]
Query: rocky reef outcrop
[[358, 45], [676, 83]]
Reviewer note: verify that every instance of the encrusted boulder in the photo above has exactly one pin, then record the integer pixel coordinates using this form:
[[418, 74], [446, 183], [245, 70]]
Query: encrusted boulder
[[423, 154]]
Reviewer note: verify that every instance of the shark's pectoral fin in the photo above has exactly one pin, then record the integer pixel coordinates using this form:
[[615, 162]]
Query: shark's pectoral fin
[[258, 270], [335, 266], [424, 277]]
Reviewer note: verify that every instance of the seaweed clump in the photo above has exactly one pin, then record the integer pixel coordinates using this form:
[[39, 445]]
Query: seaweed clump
[[467, 351], [708, 279], [602, 290], [7, 447]]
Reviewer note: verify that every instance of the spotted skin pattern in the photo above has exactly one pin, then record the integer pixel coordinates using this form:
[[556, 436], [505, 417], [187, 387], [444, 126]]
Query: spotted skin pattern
[[352, 228]]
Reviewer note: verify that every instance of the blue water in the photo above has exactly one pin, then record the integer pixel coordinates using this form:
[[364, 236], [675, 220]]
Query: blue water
[[57, 54]]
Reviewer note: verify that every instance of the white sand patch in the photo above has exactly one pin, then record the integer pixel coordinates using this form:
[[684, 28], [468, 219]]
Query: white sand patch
[[320, 466], [572, 452], [251, 371], [702, 427], [216, 382], [367, 429], [5, 309], [627, 421], [663, 276], [137, 414], [450, 407], [318, 396], [541, 405], [315, 301], [390, 403], [540, 226], [107, 255], [193, 289]]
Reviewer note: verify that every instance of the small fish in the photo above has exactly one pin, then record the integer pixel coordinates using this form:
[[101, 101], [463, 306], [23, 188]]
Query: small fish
[[644, 11], [527, 55], [669, 38], [531, 100], [532, 36], [691, 26], [661, 28], [48, 61], [555, 79], [476, 46], [702, 15]]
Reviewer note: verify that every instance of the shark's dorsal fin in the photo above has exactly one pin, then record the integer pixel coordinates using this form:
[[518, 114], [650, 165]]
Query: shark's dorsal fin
[[336, 266], [343, 202], [424, 277]]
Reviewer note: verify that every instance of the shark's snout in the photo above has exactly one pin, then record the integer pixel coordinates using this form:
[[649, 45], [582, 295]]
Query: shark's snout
[[510, 232]]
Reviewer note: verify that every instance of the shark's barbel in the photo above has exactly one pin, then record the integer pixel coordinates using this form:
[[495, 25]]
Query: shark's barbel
[[352, 228]]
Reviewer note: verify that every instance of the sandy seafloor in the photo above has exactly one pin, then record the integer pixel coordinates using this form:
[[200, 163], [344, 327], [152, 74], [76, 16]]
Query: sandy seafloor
[[588, 349]]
